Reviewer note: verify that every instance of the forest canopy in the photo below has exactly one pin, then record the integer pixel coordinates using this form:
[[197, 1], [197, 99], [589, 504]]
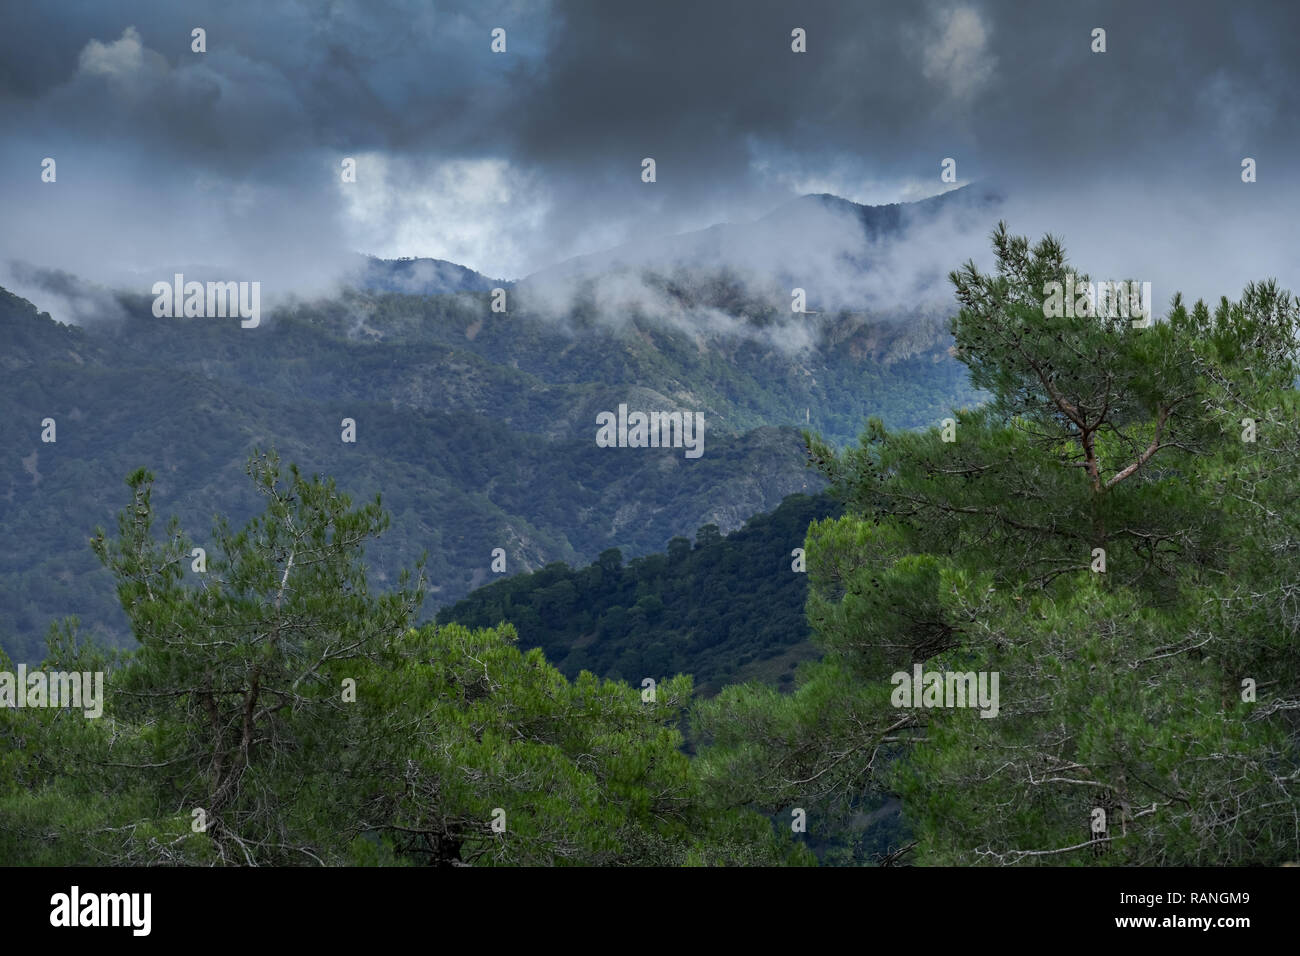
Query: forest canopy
[[1112, 535]]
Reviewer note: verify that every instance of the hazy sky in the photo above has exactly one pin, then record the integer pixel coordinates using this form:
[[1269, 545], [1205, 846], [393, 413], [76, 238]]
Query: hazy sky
[[508, 162]]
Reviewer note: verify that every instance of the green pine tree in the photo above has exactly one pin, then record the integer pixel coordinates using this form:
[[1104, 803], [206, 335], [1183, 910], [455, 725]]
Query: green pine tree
[[1101, 537]]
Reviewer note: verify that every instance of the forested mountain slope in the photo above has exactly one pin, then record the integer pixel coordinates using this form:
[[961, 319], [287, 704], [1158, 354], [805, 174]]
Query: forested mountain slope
[[724, 609], [479, 426]]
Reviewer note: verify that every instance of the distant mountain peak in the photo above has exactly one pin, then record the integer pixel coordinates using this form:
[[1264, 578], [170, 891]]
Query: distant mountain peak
[[978, 197], [419, 276], [818, 238]]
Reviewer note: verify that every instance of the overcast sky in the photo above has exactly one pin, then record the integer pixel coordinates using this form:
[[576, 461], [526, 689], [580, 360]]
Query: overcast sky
[[509, 162]]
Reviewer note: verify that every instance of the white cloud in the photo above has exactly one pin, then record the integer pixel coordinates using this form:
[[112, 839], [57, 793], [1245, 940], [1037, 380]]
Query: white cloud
[[483, 213], [956, 54], [121, 57], [785, 171]]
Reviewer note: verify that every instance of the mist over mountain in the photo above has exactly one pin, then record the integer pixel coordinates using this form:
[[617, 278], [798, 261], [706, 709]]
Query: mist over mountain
[[882, 261], [817, 232], [444, 434], [418, 276], [477, 426]]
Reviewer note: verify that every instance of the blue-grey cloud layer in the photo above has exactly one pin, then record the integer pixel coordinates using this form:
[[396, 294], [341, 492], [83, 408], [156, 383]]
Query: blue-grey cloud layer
[[511, 161]]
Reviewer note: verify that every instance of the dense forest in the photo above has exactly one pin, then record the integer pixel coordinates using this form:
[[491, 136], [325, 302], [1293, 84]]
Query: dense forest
[[724, 609], [477, 427], [1112, 536], [280, 712]]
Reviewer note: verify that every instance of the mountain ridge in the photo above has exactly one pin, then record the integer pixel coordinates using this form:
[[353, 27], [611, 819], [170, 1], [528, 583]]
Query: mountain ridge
[[478, 428]]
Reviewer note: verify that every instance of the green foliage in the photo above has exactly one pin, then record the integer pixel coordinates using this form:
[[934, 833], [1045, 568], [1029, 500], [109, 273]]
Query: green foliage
[[728, 609], [463, 726], [279, 711], [1120, 692], [478, 428]]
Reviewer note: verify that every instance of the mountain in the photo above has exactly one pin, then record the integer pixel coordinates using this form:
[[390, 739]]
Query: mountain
[[725, 610], [817, 239], [418, 276], [478, 427]]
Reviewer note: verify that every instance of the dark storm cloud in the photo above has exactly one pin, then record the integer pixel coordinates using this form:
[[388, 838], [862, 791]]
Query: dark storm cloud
[[510, 162], [1012, 90]]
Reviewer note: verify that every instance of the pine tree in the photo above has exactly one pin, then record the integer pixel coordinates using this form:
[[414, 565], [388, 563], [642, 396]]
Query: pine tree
[[1086, 535], [280, 711]]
